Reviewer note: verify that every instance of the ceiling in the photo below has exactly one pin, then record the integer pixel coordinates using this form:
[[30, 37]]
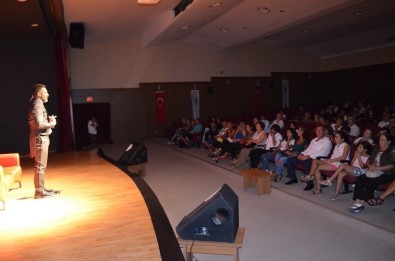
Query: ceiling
[[325, 28]]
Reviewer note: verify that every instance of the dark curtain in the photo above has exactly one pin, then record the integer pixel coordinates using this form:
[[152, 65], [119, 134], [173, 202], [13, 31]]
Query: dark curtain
[[64, 113], [82, 114]]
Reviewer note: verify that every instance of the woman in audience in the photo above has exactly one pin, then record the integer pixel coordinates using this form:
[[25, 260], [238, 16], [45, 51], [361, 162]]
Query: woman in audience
[[235, 147], [286, 144], [273, 140], [234, 137], [221, 142], [381, 164], [222, 134], [258, 139], [340, 152], [302, 142], [357, 168]]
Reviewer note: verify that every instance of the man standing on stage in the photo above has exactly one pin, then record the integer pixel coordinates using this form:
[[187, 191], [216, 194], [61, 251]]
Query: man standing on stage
[[41, 126]]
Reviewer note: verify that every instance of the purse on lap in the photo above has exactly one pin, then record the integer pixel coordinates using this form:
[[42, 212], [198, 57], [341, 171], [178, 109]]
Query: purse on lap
[[374, 173]]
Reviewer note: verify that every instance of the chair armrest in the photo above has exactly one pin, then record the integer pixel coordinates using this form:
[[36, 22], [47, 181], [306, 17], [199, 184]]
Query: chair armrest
[[9, 159], [322, 157], [345, 161]]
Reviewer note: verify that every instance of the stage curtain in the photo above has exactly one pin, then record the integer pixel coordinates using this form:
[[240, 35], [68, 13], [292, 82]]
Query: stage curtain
[[63, 87]]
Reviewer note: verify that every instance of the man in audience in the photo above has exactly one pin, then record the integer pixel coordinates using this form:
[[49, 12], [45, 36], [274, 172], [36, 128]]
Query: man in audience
[[354, 129], [319, 147]]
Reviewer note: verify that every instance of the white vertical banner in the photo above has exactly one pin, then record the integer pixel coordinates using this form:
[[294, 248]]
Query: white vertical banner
[[195, 104]]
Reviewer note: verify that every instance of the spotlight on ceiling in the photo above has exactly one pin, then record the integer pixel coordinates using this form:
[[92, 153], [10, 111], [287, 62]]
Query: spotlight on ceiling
[[148, 2]]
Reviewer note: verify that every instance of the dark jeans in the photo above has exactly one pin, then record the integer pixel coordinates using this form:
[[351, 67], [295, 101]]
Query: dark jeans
[[364, 187], [292, 162]]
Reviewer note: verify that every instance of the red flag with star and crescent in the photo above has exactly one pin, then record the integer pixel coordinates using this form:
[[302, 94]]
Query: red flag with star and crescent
[[160, 107]]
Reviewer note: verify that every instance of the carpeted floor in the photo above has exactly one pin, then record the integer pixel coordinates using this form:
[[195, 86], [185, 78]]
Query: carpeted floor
[[288, 224]]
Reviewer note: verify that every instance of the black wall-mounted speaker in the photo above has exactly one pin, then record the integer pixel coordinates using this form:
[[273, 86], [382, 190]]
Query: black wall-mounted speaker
[[77, 35], [216, 219], [135, 153]]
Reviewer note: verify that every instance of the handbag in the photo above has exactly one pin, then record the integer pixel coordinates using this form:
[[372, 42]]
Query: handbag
[[374, 173]]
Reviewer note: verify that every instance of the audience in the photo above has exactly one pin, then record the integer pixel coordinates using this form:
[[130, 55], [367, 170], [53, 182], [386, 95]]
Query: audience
[[340, 152], [356, 169], [251, 143]]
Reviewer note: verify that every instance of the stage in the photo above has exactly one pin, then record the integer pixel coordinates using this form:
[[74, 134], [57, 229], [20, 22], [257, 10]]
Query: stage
[[99, 215]]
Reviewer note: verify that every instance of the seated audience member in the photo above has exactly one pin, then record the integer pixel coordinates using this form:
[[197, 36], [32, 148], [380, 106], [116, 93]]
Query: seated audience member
[[234, 137], [273, 140], [380, 199], [385, 120], [219, 143], [302, 141], [178, 133], [267, 124], [354, 129], [367, 136], [340, 152], [380, 170], [381, 131], [286, 144], [236, 146], [338, 124], [319, 147], [222, 134], [278, 121], [258, 139], [307, 118], [357, 168], [210, 133], [391, 126], [197, 128]]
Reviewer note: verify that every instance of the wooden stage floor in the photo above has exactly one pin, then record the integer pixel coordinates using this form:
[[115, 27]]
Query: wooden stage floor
[[99, 215]]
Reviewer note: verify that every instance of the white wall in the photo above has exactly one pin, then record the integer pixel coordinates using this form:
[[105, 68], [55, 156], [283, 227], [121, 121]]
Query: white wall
[[126, 64]]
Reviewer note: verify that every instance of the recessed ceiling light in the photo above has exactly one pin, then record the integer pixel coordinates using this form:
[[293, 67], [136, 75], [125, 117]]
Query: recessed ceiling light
[[21, 1], [34, 25], [358, 13], [225, 30], [263, 10], [281, 11], [216, 4], [185, 27]]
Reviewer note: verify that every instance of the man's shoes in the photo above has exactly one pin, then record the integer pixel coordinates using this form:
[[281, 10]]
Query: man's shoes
[[42, 194], [309, 186], [53, 191], [291, 181]]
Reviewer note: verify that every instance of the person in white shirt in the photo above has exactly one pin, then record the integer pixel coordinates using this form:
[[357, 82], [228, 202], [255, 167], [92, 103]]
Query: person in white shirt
[[92, 132], [319, 147], [354, 129], [385, 120], [278, 120]]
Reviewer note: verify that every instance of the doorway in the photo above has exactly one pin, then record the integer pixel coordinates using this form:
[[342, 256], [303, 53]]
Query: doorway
[[82, 113]]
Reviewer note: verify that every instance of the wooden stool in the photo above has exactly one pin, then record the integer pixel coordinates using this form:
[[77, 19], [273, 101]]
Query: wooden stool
[[258, 178], [210, 247], [138, 169]]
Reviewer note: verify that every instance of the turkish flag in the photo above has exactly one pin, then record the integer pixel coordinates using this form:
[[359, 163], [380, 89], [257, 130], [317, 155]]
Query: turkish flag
[[258, 98], [160, 107]]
